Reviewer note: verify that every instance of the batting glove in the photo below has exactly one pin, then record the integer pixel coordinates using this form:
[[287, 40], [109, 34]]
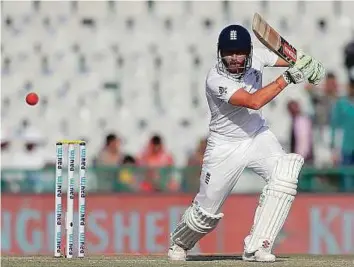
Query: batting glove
[[318, 74], [306, 64], [312, 69], [293, 75]]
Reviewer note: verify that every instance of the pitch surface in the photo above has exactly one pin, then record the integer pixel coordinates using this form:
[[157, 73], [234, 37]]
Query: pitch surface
[[162, 261]]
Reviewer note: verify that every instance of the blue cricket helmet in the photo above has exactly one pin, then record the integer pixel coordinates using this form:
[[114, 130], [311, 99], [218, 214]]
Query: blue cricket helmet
[[234, 38]]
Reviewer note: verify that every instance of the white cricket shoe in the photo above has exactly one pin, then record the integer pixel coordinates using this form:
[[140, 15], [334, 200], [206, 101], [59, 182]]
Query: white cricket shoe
[[176, 253], [261, 255]]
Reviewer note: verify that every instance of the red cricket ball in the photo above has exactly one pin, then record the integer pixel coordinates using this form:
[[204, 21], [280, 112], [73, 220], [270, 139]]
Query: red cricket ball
[[32, 99]]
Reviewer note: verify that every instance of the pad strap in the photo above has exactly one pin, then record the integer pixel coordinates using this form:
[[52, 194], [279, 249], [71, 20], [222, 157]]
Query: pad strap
[[195, 223]]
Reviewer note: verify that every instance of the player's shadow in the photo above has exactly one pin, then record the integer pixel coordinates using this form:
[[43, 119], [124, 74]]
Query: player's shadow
[[214, 258], [223, 258]]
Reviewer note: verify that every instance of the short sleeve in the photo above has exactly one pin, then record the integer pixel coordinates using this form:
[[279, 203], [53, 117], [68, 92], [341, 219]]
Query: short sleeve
[[223, 88], [266, 57]]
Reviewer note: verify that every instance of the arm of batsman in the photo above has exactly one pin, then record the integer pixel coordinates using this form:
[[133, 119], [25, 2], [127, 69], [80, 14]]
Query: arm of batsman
[[312, 69]]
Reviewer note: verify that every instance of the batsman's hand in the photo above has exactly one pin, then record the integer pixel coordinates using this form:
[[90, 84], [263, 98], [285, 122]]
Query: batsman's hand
[[312, 69]]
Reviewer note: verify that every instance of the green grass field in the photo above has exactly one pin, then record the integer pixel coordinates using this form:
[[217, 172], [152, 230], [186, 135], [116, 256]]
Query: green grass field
[[161, 261]]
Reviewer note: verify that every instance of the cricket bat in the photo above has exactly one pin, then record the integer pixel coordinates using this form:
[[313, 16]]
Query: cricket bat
[[273, 40]]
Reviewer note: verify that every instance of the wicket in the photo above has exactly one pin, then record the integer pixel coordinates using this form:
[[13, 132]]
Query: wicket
[[69, 220]]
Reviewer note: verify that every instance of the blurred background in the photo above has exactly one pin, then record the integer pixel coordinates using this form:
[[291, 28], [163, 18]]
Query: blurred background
[[128, 77]]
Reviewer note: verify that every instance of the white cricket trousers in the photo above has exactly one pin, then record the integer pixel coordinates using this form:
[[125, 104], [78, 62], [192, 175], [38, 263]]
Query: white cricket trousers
[[224, 161]]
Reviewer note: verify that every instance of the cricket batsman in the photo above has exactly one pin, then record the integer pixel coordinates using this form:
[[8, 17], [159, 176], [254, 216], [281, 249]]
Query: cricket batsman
[[239, 138]]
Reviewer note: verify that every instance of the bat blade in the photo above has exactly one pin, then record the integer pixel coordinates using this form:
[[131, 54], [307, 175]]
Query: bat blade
[[273, 40]]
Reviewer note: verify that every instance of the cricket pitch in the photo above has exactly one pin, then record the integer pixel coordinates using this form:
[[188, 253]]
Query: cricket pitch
[[162, 261]]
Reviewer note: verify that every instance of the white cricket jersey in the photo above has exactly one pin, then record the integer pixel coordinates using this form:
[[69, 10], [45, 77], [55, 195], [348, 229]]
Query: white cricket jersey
[[233, 122]]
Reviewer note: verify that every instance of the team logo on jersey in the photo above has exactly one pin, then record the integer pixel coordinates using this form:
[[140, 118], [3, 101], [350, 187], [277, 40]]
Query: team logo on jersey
[[207, 177], [233, 35], [256, 73], [222, 90]]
